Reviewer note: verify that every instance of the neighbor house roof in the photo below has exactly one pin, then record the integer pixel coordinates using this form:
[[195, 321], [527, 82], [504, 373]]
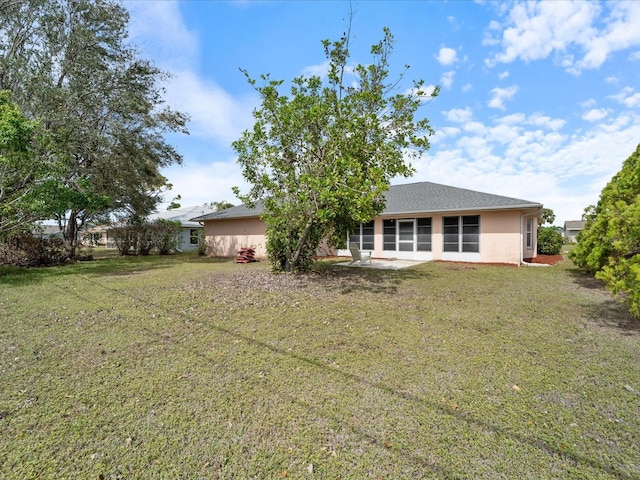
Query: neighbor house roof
[[412, 198], [574, 225], [182, 215]]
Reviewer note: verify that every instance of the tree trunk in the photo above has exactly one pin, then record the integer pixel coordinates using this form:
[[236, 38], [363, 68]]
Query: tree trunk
[[291, 267], [70, 234]]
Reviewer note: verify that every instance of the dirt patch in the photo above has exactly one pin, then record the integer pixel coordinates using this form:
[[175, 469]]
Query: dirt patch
[[545, 259]]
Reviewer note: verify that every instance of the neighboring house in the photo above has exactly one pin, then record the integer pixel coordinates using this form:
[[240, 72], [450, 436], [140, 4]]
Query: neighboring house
[[47, 231], [421, 221], [572, 228], [191, 230]]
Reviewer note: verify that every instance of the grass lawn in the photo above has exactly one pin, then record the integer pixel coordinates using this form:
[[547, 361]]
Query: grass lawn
[[182, 367]]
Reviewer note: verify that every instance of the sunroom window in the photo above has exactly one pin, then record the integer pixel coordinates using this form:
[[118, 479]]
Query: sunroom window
[[363, 236], [461, 234]]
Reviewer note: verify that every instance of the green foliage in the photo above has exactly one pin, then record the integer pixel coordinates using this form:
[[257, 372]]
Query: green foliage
[[218, 206], [549, 241], [322, 157], [165, 235], [141, 237], [547, 216], [22, 173], [609, 246], [68, 64]]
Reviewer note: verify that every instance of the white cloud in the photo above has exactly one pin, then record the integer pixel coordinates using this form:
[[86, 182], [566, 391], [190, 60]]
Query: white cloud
[[317, 70], [503, 75], [201, 183], [467, 87], [634, 56], [447, 79], [627, 97], [588, 103], [214, 113], [458, 115], [580, 34], [528, 157], [158, 29], [447, 56], [595, 114], [500, 95]]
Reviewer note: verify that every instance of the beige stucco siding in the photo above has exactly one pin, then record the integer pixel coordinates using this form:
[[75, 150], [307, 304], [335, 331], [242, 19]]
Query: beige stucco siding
[[503, 237], [500, 237], [225, 237]]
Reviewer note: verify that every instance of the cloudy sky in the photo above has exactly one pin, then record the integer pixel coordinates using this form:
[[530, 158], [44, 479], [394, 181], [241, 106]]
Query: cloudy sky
[[539, 101]]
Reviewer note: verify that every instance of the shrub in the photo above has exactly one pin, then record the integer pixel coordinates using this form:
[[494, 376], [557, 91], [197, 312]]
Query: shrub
[[549, 241], [165, 235], [124, 239], [25, 250]]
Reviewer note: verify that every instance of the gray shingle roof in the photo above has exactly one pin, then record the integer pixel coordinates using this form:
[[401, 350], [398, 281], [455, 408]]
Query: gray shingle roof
[[434, 197], [574, 225], [413, 198]]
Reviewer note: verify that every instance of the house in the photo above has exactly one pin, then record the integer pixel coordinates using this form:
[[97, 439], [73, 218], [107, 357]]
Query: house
[[421, 221], [572, 228], [47, 231], [191, 230]]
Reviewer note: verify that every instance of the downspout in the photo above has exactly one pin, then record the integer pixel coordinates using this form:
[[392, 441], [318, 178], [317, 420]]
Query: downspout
[[521, 239]]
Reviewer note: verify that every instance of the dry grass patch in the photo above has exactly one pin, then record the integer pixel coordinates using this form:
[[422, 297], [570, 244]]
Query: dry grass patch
[[187, 368]]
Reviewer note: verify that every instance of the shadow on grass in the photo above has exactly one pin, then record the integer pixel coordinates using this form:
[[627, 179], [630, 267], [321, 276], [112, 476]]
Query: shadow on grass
[[127, 265], [607, 311], [349, 280]]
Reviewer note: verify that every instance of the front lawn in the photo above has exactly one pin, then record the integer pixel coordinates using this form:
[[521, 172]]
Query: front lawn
[[182, 367]]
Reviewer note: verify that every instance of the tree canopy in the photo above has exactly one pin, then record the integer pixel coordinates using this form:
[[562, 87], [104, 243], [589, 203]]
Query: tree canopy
[[609, 246], [21, 173], [321, 157], [68, 65]]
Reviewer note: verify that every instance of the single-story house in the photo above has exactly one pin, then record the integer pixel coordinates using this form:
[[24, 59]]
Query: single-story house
[[47, 231], [421, 221], [191, 230], [572, 229], [189, 236]]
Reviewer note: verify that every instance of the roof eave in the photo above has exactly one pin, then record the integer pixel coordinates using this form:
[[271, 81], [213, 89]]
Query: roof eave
[[470, 209]]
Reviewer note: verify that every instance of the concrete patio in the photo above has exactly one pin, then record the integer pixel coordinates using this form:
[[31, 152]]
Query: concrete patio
[[383, 264]]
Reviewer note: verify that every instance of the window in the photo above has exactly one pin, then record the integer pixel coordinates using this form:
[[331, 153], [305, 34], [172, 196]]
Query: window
[[424, 235], [529, 232], [405, 235], [450, 227], [363, 236], [389, 235], [193, 236], [461, 234]]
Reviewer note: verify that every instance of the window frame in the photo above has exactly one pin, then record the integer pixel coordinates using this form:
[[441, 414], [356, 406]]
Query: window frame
[[364, 236], [191, 236], [461, 234]]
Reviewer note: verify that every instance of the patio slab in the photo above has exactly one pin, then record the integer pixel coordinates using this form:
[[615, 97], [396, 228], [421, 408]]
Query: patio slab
[[383, 264]]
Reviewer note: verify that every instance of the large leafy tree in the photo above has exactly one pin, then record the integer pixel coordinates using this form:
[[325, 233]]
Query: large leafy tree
[[21, 173], [321, 158], [609, 246], [68, 64]]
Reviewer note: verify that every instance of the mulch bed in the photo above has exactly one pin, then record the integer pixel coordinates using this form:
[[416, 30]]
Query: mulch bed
[[545, 259]]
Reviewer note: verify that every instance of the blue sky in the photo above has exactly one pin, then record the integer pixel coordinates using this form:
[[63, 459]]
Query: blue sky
[[539, 101]]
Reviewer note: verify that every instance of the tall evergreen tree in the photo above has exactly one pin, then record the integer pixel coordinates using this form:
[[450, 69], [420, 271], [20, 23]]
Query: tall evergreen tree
[[609, 246]]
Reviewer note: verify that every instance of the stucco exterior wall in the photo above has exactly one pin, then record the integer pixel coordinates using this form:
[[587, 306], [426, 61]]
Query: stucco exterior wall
[[225, 237], [502, 238]]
